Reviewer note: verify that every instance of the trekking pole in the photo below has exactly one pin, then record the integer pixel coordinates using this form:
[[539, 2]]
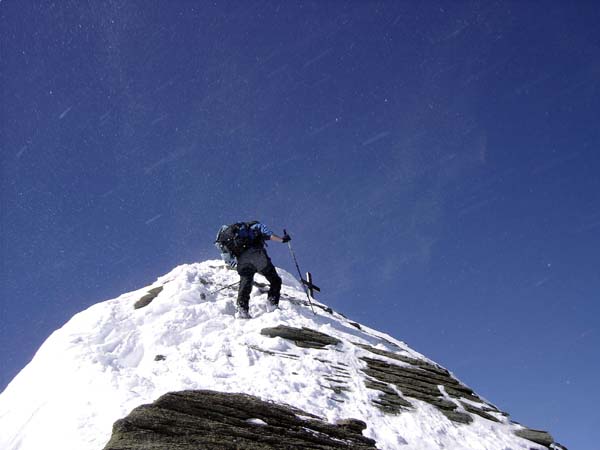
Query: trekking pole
[[224, 287], [254, 283], [300, 274]]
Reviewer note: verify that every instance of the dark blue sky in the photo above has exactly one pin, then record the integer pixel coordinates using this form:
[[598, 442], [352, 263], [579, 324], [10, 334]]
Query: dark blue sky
[[436, 164]]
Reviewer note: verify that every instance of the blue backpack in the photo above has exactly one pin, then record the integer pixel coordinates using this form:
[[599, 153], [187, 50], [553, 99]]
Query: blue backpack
[[239, 237]]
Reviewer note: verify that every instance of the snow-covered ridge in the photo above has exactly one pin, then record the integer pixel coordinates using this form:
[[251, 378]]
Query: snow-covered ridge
[[112, 358]]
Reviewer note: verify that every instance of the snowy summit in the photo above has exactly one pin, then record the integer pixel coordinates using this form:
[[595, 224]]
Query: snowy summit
[[180, 334]]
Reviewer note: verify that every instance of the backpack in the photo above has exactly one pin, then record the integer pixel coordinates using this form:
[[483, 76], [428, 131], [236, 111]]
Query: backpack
[[238, 237]]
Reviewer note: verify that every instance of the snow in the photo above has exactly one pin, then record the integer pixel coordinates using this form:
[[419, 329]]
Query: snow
[[258, 422], [103, 363]]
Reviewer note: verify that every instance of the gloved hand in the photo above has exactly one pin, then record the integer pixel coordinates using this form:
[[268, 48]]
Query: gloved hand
[[232, 264], [286, 238]]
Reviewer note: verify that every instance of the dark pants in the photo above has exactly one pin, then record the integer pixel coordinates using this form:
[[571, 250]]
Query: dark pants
[[251, 261]]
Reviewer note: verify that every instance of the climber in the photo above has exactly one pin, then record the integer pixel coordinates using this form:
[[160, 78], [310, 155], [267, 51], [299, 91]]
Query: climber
[[242, 247]]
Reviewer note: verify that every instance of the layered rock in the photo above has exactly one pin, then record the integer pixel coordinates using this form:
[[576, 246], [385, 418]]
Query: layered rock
[[401, 379], [192, 420]]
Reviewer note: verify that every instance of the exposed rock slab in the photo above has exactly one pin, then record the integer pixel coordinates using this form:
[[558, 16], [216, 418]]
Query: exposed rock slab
[[421, 380], [147, 299], [190, 420], [480, 412], [302, 337], [537, 436], [406, 359], [388, 401]]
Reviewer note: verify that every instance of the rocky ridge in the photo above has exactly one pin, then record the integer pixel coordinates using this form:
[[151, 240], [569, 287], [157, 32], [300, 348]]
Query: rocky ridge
[[171, 368]]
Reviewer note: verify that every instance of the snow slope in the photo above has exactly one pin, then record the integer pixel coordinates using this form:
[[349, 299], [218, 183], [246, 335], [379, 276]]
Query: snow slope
[[103, 363]]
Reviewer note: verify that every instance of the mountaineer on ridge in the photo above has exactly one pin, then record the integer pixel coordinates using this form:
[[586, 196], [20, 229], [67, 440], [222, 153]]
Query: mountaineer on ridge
[[242, 247]]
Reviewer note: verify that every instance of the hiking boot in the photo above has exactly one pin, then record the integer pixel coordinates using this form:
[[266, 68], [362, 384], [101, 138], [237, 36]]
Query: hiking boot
[[242, 313], [272, 304]]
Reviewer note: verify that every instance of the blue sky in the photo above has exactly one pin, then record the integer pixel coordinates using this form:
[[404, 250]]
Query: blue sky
[[436, 164]]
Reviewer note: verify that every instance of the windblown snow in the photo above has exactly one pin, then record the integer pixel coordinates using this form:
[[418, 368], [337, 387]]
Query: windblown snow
[[111, 358]]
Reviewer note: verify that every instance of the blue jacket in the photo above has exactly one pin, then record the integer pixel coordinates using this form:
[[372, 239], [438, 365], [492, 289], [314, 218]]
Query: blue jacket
[[266, 232]]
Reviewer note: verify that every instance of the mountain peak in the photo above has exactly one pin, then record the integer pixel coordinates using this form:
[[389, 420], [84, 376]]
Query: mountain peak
[[179, 335]]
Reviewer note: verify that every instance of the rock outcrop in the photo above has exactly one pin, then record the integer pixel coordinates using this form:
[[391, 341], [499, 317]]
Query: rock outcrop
[[146, 299], [192, 420], [302, 337], [401, 379]]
